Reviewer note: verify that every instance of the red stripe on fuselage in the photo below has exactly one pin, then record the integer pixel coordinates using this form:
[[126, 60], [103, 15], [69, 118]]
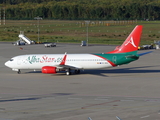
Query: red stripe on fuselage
[[107, 60]]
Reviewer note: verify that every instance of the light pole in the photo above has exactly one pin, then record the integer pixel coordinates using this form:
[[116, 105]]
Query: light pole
[[87, 22], [38, 18]]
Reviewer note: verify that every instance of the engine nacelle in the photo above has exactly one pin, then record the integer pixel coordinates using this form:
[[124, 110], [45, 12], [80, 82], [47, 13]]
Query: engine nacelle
[[49, 70]]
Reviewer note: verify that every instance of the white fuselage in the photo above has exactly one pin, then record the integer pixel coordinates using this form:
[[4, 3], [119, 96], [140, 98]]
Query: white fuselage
[[37, 61]]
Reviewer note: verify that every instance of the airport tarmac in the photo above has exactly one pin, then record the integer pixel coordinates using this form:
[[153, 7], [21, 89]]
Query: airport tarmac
[[131, 91]]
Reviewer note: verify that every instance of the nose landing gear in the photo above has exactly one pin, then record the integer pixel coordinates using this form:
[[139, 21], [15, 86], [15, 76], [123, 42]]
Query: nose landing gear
[[19, 71]]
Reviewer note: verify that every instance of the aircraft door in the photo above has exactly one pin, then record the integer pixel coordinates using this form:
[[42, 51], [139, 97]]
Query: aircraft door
[[19, 60]]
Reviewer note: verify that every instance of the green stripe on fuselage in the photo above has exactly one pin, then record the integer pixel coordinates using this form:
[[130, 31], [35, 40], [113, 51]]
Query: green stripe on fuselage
[[120, 58]]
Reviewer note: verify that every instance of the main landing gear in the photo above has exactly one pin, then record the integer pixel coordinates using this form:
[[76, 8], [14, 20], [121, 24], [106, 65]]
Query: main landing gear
[[68, 72]]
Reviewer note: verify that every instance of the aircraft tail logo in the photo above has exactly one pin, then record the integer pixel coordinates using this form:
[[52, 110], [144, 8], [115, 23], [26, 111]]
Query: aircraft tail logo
[[132, 41]]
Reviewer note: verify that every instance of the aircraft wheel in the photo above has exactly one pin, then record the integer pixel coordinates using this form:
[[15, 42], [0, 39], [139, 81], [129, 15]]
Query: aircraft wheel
[[68, 73], [19, 72]]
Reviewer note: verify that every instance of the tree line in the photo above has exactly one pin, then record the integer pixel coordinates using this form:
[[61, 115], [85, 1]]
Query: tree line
[[82, 9]]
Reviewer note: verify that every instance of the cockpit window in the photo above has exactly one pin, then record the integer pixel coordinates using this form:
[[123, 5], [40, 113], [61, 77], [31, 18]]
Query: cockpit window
[[11, 59]]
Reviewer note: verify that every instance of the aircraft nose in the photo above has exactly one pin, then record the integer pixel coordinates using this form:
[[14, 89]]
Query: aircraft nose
[[7, 64]]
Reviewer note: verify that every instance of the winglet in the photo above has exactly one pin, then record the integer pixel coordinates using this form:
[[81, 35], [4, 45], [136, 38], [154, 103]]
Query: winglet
[[64, 59], [132, 41]]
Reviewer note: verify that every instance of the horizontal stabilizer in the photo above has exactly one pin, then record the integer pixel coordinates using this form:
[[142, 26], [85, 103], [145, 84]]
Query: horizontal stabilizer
[[140, 54]]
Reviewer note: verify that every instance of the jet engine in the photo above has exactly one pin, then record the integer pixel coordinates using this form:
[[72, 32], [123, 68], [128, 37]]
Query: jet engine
[[49, 70]]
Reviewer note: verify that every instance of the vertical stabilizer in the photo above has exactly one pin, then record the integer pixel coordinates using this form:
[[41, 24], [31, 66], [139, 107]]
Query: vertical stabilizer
[[132, 41]]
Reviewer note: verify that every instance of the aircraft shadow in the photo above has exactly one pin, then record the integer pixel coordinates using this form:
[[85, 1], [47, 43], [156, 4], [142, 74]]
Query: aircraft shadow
[[105, 72], [143, 69]]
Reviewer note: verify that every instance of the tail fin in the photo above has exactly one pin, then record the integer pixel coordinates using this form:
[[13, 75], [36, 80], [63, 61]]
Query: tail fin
[[132, 41]]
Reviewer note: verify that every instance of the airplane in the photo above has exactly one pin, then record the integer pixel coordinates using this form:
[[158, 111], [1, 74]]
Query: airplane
[[53, 63]]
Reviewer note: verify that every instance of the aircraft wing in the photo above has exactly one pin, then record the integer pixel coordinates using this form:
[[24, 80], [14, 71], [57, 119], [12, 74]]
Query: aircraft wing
[[67, 67], [62, 65]]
